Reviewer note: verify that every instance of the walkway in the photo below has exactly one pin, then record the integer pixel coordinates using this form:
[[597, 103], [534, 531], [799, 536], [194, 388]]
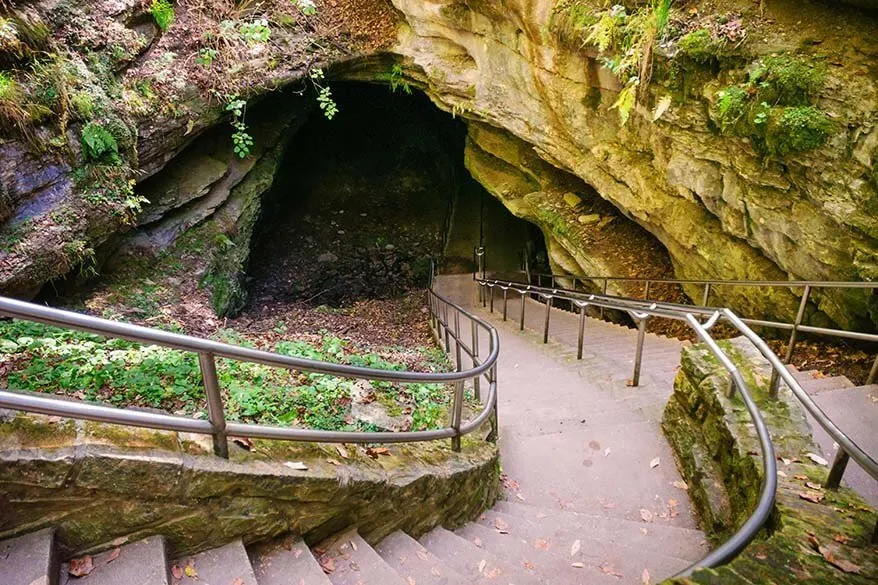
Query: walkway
[[575, 438]]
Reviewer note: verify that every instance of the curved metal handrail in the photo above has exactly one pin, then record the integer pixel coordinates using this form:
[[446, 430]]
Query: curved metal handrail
[[208, 350], [641, 311]]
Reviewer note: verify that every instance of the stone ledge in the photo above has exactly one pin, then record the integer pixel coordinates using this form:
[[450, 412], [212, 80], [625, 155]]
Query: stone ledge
[[97, 483], [718, 454]]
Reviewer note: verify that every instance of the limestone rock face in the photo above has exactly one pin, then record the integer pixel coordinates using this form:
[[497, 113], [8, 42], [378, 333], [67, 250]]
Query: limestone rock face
[[720, 210]]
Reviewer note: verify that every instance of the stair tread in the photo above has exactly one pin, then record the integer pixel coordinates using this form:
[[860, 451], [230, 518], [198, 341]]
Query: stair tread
[[143, 562], [570, 519], [350, 560], [473, 562], [225, 564], [415, 563], [286, 561], [606, 539], [27, 559]]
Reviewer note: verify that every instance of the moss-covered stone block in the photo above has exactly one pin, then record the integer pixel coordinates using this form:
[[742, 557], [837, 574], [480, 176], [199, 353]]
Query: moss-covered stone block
[[719, 455]]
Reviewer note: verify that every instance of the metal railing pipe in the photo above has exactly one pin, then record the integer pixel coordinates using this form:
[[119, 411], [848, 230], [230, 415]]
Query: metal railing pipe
[[215, 413]]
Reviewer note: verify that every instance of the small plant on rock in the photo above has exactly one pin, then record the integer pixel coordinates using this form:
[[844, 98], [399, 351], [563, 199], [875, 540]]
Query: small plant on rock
[[163, 13], [99, 145], [241, 138], [324, 94]]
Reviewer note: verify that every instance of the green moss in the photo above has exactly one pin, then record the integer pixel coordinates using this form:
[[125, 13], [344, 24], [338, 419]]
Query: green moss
[[732, 108], [788, 80], [701, 47], [797, 129]]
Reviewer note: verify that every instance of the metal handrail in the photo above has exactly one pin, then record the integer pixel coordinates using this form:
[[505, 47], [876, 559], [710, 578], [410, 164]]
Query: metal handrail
[[209, 350], [641, 311], [794, 328]]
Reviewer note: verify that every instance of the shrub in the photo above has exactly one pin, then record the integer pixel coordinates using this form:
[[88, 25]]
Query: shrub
[[163, 13], [99, 145]]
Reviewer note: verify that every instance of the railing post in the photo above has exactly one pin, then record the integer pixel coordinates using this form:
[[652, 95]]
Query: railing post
[[574, 283], [214, 404], [581, 331], [475, 334], [706, 295], [495, 423], [492, 298], [553, 281], [638, 354], [445, 324], [505, 300], [774, 384], [546, 325], [646, 291], [457, 338], [606, 281], [873, 372], [523, 297], [836, 472], [457, 409]]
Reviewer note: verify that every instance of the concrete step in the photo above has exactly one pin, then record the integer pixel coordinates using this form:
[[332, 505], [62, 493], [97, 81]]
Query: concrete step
[[672, 541], [29, 559], [855, 410], [349, 560], [415, 563], [474, 563], [813, 382], [226, 564], [286, 561], [144, 562]]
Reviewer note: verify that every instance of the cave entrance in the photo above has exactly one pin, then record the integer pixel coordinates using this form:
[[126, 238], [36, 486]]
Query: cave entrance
[[362, 203]]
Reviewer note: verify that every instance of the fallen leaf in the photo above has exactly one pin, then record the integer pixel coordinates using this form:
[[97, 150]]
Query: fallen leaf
[[672, 502], [655, 462], [477, 541], [501, 526], [114, 555], [608, 569], [177, 572], [482, 564], [297, 465], [342, 452], [435, 572], [493, 573], [238, 581], [786, 461], [814, 486], [815, 497], [354, 545], [646, 515], [423, 555], [332, 461], [577, 565], [681, 484], [575, 547], [374, 452], [780, 473], [800, 477], [843, 564], [520, 497], [81, 567], [644, 531], [328, 565], [243, 442], [411, 580], [661, 107], [541, 544], [644, 577], [528, 565], [841, 538], [189, 569], [817, 459]]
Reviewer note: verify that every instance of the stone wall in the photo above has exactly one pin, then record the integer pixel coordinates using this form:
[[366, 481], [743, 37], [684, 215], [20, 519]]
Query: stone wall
[[823, 539], [98, 483]]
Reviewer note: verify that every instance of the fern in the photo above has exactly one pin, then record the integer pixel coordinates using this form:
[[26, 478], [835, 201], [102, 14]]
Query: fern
[[98, 145], [163, 13], [626, 100]]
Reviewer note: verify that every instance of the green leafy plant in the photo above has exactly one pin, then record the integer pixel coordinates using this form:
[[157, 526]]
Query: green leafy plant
[[206, 57], [255, 32], [242, 141], [306, 7], [99, 145], [324, 94], [163, 13], [397, 81]]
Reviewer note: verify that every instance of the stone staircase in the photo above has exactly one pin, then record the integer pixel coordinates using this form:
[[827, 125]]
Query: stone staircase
[[507, 545], [592, 491]]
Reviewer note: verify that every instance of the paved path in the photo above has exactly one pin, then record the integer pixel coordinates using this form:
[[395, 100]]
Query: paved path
[[573, 435]]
